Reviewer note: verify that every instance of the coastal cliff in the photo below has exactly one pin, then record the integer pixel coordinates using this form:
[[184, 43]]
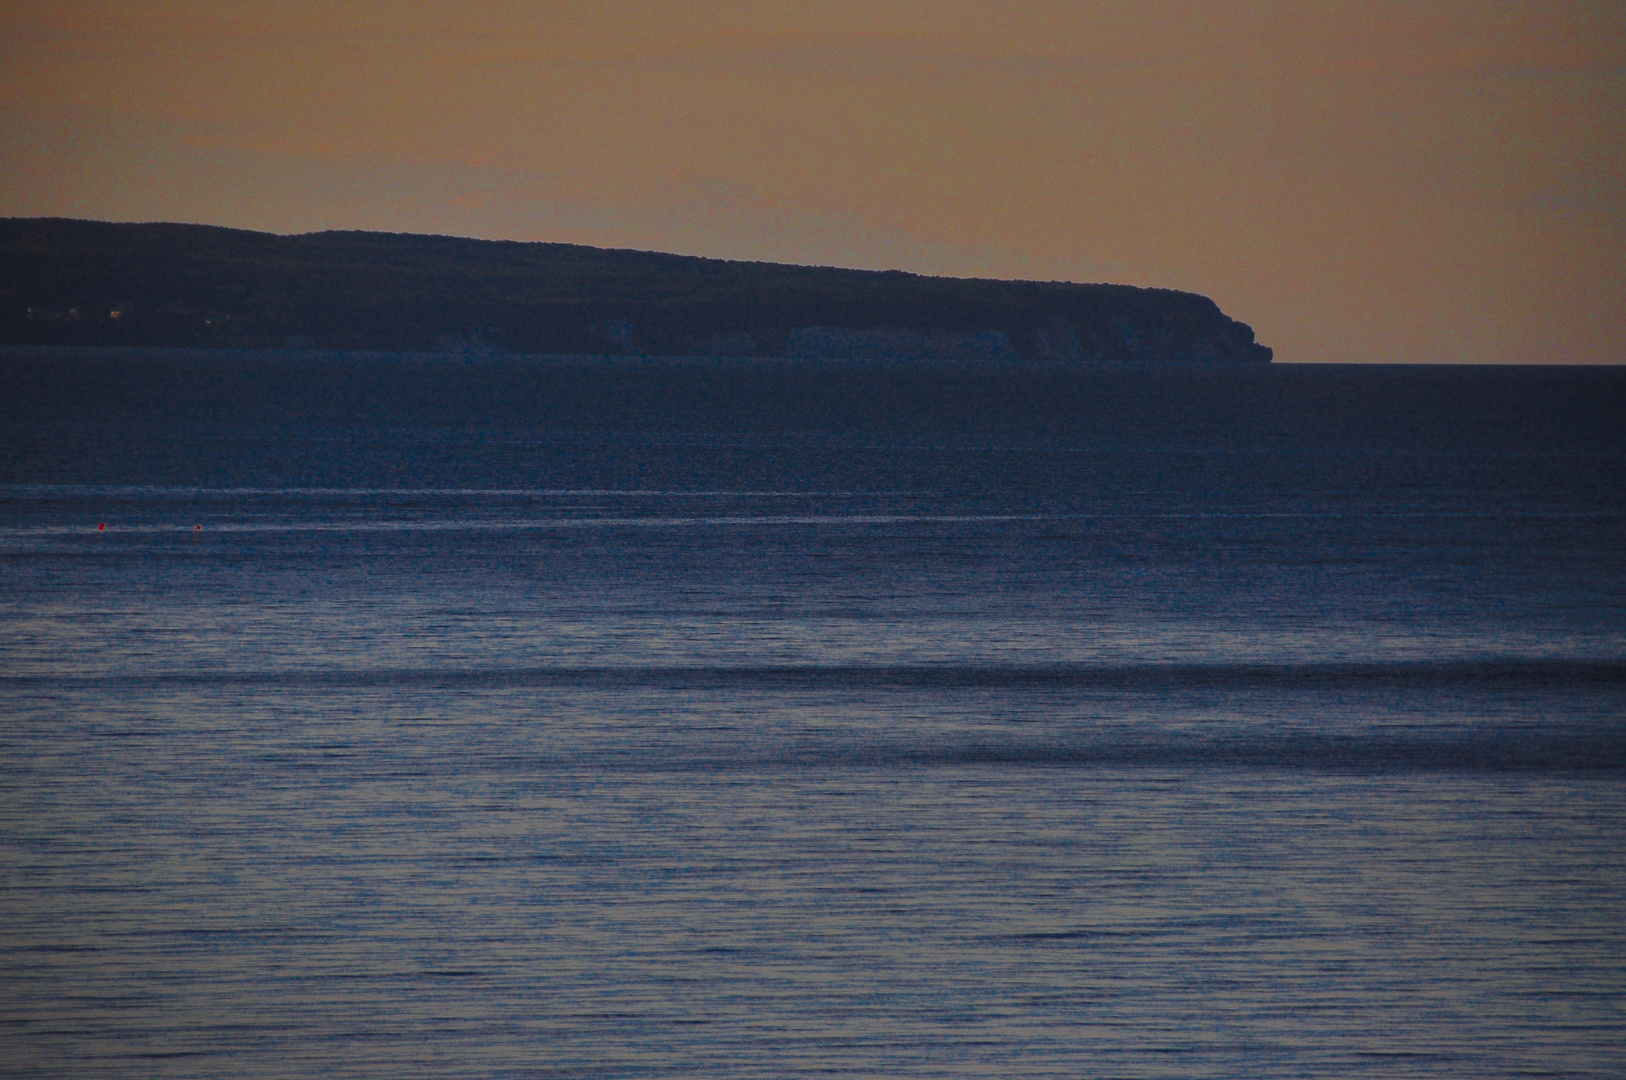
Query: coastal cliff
[[65, 282]]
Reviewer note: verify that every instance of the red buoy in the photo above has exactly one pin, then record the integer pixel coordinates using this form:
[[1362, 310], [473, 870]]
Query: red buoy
[[101, 526]]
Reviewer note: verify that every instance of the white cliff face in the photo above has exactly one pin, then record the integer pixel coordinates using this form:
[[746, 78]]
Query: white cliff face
[[1058, 341], [839, 343]]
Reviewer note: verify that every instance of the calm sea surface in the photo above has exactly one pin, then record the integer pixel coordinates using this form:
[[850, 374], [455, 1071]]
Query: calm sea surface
[[625, 719]]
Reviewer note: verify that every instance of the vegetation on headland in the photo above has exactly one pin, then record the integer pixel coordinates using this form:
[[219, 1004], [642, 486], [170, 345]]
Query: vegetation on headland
[[65, 282]]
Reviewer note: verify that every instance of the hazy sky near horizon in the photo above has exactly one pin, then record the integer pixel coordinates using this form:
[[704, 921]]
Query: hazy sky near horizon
[[1375, 181]]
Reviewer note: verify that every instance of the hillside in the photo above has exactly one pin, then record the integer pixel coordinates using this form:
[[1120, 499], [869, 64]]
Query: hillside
[[66, 282]]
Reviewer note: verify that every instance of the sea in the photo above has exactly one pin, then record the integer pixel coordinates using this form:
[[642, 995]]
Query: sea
[[409, 716]]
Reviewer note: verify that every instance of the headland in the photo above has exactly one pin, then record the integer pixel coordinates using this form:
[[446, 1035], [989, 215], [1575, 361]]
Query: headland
[[90, 283]]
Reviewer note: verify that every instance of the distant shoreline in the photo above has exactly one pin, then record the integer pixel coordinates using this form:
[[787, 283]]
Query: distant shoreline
[[498, 359], [456, 359], [89, 283]]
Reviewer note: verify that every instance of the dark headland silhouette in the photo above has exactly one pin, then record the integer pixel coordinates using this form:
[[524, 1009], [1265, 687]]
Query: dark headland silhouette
[[89, 283]]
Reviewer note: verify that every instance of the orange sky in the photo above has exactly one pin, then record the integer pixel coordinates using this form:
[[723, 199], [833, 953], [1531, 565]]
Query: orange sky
[[1374, 181]]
